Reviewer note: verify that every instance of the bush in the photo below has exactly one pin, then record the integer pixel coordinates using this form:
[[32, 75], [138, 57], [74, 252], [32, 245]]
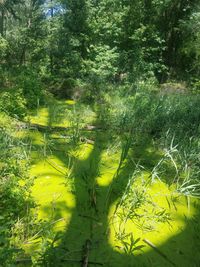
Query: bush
[[64, 89], [3, 47], [14, 188], [31, 86], [13, 103], [103, 64]]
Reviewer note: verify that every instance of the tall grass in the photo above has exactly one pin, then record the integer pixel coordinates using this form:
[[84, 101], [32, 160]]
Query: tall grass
[[171, 120]]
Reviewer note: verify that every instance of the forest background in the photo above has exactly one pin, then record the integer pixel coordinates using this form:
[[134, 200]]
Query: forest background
[[138, 60]]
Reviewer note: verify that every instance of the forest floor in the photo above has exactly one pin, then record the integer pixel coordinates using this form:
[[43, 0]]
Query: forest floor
[[95, 213]]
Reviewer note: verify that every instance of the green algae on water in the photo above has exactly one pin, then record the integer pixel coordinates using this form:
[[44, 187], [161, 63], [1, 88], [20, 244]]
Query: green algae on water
[[154, 212]]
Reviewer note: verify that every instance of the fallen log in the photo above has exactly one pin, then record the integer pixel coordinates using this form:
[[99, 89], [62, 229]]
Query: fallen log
[[39, 127], [158, 251]]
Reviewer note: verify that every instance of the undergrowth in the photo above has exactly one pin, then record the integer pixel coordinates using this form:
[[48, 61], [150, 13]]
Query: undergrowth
[[15, 199], [170, 119]]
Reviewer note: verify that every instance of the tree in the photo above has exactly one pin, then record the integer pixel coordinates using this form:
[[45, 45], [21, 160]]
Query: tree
[[172, 14], [7, 7]]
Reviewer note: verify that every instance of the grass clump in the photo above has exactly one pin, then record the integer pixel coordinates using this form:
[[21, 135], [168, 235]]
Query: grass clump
[[168, 120]]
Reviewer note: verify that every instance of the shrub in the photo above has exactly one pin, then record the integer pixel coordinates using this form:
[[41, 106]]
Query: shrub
[[13, 103], [31, 86], [14, 188], [65, 89], [3, 47]]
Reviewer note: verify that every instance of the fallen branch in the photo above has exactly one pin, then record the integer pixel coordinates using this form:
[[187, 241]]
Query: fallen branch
[[39, 127], [85, 140], [52, 165], [158, 251], [93, 128], [86, 250]]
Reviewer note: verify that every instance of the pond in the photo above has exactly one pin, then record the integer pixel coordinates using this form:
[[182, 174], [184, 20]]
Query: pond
[[116, 216]]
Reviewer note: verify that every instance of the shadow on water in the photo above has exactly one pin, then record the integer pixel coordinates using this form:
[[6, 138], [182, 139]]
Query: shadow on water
[[87, 235]]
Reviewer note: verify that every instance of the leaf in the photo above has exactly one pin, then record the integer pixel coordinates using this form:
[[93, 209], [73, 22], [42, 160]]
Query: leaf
[[138, 247], [137, 240]]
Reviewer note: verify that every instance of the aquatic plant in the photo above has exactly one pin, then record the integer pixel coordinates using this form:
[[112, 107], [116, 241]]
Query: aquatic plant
[[126, 143], [167, 158], [130, 244]]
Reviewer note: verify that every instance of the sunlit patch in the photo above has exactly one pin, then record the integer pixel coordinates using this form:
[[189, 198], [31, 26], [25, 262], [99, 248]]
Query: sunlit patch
[[154, 212], [105, 179], [83, 151], [52, 194], [70, 102], [41, 118], [51, 191], [36, 137], [53, 116], [108, 169]]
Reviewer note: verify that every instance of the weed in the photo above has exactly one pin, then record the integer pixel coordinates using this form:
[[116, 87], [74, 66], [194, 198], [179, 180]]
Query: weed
[[129, 244]]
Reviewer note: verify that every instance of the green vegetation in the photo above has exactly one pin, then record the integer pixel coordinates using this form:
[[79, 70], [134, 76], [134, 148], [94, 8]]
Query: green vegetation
[[99, 133], [15, 186]]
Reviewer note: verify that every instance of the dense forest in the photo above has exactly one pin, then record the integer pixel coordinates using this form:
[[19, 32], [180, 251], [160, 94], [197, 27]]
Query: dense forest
[[100, 133]]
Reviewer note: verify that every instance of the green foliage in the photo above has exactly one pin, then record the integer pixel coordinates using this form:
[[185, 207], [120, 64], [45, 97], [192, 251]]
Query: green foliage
[[196, 85], [31, 86], [154, 111], [170, 116], [25, 91], [3, 47], [14, 188], [66, 89], [13, 103], [191, 47], [132, 245], [97, 40], [103, 64], [3, 52]]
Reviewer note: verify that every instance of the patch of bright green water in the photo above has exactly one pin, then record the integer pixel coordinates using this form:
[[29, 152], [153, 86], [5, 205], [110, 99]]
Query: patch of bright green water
[[41, 118], [159, 216], [50, 190]]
